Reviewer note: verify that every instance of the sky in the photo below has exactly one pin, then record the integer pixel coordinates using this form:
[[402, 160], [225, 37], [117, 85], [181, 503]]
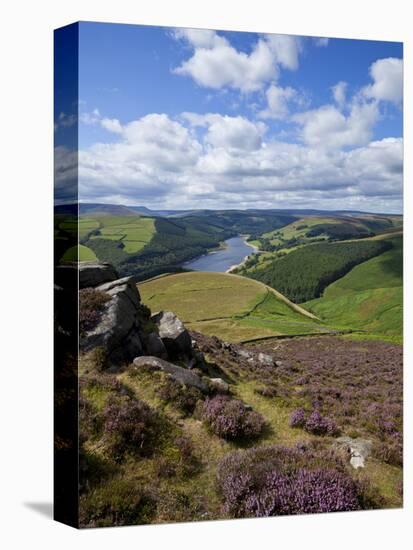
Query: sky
[[183, 118]]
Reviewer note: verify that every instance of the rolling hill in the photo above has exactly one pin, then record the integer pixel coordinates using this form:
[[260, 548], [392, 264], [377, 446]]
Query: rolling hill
[[233, 307], [310, 258], [304, 273], [369, 297], [329, 227]]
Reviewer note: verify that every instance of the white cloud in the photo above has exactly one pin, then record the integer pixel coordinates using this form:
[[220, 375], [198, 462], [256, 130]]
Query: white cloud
[[378, 167], [151, 158], [387, 76], [199, 38], [219, 161], [90, 118], [328, 127], [339, 93], [286, 49], [233, 133], [112, 125], [278, 99], [215, 63]]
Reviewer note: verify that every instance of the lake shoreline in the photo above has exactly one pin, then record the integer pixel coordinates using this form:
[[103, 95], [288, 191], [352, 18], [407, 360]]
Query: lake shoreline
[[256, 250], [230, 254]]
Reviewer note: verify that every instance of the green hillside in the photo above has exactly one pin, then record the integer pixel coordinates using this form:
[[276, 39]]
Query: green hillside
[[148, 246], [304, 273], [133, 232], [79, 253], [229, 306], [369, 297], [324, 228]]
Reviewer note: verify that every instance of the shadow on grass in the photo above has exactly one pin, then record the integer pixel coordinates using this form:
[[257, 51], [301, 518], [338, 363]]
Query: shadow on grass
[[248, 442]]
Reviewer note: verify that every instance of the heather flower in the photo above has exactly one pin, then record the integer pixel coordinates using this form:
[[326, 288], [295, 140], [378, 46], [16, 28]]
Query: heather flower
[[91, 306], [276, 480], [297, 418], [230, 418], [320, 425], [128, 426], [307, 492]]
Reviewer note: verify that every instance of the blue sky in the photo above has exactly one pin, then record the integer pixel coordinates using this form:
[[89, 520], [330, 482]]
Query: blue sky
[[179, 118]]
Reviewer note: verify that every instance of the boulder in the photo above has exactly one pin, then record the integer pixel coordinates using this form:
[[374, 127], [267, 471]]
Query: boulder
[[245, 354], [126, 285], [180, 374], [359, 449], [196, 360], [219, 385], [265, 359], [173, 333], [155, 346], [92, 274]]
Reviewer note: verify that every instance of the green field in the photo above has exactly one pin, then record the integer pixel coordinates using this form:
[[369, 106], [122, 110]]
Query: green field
[[231, 307], [313, 229], [296, 229], [134, 232], [86, 225], [79, 253], [369, 297]]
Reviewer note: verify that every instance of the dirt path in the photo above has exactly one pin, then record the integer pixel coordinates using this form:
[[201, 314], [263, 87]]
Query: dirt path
[[282, 298]]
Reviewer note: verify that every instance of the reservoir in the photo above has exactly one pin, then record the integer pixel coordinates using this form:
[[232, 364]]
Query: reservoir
[[235, 251]]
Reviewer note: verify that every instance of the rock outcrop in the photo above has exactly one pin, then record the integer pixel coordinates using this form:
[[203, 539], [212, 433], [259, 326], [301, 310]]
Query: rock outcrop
[[180, 374], [173, 333], [125, 328], [93, 274], [154, 345], [119, 330]]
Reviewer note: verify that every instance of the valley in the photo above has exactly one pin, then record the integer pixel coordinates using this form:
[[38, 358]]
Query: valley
[[298, 350], [344, 268]]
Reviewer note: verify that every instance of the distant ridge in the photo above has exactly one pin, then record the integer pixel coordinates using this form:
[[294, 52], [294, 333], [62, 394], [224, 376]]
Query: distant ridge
[[105, 209], [121, 210], [96, 208]]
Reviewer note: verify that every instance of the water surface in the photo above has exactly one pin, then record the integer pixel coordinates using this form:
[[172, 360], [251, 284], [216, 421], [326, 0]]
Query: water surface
[[235, 251]]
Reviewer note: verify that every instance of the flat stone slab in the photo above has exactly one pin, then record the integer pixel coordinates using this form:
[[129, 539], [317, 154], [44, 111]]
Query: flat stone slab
[[184, 376]]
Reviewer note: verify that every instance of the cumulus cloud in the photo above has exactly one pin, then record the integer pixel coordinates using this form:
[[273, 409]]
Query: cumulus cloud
[[285, 48], [387, 76], [219, 161], [339, 93], [277, 102], [112, 125], [91, 118], [199, 38], [234, 133], [328, 127], [215, 63], [378, 167]]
